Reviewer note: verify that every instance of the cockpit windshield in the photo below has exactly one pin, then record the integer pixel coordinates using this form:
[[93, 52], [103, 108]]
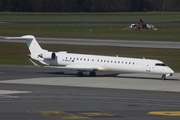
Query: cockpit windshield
[[160, 64]]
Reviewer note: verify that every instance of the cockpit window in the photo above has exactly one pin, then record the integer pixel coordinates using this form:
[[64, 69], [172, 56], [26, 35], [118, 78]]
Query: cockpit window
[[160, 64]]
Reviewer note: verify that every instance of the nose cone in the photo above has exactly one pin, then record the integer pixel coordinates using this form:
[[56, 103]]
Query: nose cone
[[170, 71]]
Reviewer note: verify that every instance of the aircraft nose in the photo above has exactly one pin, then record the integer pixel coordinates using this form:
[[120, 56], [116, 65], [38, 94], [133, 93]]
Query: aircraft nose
[[168, 70], [171, 71]]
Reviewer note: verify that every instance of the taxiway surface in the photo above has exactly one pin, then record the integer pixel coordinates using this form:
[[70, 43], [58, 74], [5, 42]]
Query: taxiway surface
[[47, 94], [100, 42], [83, 21]]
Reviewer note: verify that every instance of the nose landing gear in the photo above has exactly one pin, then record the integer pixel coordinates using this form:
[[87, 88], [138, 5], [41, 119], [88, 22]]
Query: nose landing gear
[[163, 77]]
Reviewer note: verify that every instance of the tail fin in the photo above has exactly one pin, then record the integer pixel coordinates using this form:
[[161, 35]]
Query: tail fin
[[32, 44]]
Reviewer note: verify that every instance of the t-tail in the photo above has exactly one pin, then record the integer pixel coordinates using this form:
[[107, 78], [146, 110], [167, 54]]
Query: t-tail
[[37, 53]]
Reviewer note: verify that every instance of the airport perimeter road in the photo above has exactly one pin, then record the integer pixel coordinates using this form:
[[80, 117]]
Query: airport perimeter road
[[99, 42], [84, 21], [47, 94]]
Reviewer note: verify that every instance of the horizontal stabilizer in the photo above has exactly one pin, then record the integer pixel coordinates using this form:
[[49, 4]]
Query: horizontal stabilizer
[[32, 44], [18, 38]]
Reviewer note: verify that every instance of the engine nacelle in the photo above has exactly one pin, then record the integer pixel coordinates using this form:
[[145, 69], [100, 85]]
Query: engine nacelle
[[49, 55]]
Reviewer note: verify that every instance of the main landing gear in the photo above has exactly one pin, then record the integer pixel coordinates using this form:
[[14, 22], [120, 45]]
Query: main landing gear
[[92, 73], [81, 74]]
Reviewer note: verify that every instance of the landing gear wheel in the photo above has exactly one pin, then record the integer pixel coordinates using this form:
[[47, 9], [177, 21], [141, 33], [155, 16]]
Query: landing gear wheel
[[92, 73], [163, 77], [80, 74]]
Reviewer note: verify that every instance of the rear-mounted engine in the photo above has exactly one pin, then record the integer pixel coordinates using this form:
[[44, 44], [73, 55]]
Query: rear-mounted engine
[[48, 55]]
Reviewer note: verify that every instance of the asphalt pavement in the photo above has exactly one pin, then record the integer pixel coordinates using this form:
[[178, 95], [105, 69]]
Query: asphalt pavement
[[48, 94], [100, 42]]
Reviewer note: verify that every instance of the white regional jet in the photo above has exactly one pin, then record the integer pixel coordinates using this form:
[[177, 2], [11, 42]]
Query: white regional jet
[[92, 63]]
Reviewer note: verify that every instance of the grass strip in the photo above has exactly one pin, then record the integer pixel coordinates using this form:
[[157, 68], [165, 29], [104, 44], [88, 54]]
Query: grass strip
[[16, 53], [165, 32], [89, 16]]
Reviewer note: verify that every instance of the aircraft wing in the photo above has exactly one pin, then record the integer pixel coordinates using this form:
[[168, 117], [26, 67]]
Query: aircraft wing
[[76, 67]]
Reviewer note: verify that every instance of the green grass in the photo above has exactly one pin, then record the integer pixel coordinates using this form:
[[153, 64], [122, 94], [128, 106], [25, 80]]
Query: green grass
[[165, 32], [91, 16], [16, 53]]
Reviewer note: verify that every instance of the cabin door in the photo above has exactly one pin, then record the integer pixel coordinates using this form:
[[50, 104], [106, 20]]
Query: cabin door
[[148, 68]]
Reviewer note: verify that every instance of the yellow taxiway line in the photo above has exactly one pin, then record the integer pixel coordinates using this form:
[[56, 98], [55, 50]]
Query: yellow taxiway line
[[78, 114], [166, 113]]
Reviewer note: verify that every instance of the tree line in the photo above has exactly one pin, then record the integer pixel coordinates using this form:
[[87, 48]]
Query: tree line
[[88, 5]]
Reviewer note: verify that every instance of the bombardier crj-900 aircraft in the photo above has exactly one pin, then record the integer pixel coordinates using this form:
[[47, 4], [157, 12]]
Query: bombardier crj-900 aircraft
[[92, 63]]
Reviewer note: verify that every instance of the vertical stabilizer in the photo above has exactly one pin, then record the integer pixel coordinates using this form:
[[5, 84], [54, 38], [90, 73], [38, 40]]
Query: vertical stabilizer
[[32, 44]]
